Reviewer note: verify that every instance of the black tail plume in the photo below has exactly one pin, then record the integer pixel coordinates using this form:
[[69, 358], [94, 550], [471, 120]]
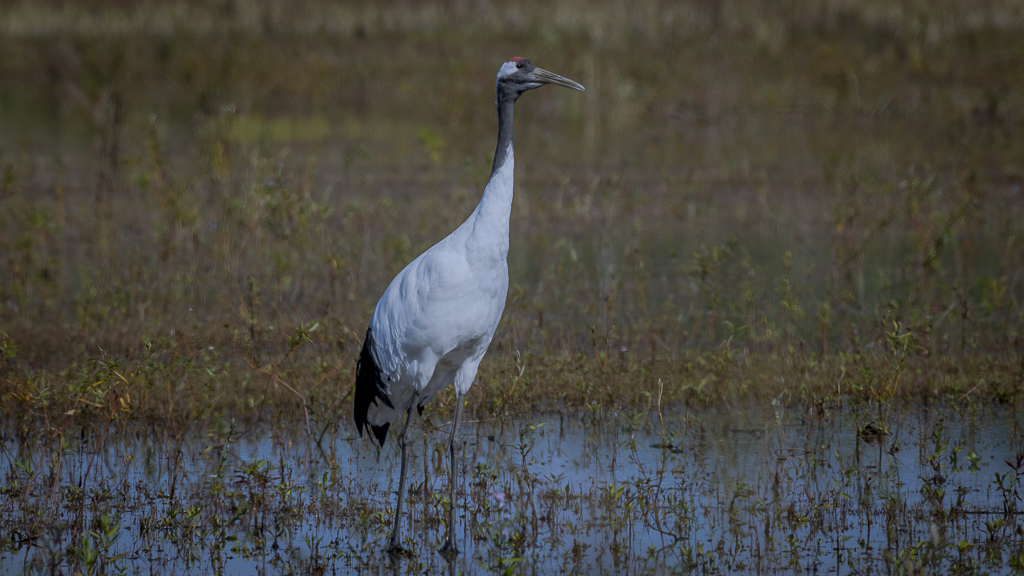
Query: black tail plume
[[369, 388]]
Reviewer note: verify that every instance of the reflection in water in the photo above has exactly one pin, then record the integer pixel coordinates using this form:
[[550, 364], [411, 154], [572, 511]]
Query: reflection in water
[[732, 490]]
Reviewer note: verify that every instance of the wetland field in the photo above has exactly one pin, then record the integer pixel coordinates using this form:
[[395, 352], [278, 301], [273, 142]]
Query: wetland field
[[766, 304]]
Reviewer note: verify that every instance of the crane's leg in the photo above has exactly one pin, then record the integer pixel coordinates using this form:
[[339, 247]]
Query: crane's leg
[[404, 440], [450, 549]]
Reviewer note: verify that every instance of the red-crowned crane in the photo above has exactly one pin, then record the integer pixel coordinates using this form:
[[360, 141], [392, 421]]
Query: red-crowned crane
[[435, 321]]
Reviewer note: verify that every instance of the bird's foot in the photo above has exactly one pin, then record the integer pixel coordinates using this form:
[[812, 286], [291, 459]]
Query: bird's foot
[[449, 551]]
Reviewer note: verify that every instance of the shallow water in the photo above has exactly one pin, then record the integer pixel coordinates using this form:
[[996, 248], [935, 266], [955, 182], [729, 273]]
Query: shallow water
[[746, 490]]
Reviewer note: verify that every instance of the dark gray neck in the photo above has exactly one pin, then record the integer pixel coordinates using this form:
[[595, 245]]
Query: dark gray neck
[[506, 133]]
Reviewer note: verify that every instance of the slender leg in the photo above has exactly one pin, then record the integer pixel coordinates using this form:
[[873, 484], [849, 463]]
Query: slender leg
[[455, 445], [404, 440]]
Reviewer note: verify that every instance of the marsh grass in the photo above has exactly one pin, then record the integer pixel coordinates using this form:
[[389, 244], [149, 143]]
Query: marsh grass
[[811, 208], [744, 489]]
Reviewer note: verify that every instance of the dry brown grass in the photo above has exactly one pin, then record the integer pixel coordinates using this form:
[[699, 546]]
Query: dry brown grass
[[749, 200]]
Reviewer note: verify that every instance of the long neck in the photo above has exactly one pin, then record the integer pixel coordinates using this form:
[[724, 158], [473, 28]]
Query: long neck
[[506, 134], [492, 214]]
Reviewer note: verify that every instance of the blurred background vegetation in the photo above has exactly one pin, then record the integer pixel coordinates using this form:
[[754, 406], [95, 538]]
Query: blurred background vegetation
[[201, 200]]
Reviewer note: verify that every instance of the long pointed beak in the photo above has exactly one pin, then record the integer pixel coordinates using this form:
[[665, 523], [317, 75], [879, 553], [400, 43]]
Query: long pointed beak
[[545, 77]]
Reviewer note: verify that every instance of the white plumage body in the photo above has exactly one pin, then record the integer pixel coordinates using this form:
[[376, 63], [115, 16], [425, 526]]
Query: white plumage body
[[435, 321]]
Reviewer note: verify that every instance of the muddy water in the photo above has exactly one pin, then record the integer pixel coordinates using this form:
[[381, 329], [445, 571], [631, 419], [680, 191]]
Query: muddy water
[[745, 490]]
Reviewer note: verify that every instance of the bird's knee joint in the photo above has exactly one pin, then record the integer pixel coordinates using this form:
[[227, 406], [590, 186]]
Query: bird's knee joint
[[407, 438], [456, 444]]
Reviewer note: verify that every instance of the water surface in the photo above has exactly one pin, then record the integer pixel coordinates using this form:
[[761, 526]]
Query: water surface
[[751, 489]]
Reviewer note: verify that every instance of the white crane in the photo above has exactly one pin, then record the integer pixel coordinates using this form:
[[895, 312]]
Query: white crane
[[435, 321]]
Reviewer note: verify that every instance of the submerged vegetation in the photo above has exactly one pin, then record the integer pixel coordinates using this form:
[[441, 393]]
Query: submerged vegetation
[[793, 221]]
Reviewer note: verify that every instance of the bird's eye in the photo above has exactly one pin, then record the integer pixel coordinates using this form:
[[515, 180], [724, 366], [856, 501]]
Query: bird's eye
[[520, 65]]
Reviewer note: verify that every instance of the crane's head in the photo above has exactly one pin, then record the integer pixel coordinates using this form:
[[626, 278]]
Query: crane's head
[[518, 75]]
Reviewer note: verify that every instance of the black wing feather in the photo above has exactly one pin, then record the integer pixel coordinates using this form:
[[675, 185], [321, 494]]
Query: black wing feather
[[369, 388]]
